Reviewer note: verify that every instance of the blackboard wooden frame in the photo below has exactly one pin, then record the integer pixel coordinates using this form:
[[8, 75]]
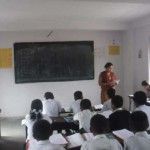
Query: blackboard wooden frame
[[70, 61]]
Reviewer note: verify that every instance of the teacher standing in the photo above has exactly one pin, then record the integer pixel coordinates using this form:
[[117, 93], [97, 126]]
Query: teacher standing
[[107, 79]]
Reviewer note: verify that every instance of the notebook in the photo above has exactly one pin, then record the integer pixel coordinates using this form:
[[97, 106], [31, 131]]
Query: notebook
[[123, 134], [58, 139], [75, 140]]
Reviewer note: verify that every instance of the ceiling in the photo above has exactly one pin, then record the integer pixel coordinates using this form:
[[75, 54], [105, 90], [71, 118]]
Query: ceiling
[[25, 15]]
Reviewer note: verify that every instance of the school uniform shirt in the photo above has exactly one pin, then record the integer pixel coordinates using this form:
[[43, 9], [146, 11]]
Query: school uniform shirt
[[140, 141], [84, 118], [106, 113], [43, 145], [106, 105], [101, 142], [29, 124], [75, 106], [145, 109], [51, 107]]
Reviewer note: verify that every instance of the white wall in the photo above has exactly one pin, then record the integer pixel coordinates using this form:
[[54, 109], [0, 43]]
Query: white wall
[[15, 99], [135, 69]]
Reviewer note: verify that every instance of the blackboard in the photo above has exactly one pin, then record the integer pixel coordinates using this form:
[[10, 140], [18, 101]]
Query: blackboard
[[53, 61]]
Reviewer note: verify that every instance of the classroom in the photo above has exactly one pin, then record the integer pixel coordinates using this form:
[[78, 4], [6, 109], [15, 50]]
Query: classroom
[[110, 22]]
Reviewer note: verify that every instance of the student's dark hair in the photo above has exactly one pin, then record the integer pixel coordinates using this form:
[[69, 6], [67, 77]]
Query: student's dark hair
[[144, 83], [140, 98], [117, 101], [42, 130], [138, 121], [36, 110], [49, 95], [111, 92], [98, 124], [85, 104], [78, 95], [108, 64]]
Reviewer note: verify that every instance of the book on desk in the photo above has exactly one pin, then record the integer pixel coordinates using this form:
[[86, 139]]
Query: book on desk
[[123, 134], [58, 139], [72, 141]]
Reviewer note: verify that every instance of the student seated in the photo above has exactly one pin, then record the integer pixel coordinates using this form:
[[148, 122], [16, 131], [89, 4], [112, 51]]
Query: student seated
[[140, 100], [51, 107], [119, 119], [35, 114], [75, 106], [85, 115], [41, 133], [107, 105], [101, 141], [146, 87], [139, 124]]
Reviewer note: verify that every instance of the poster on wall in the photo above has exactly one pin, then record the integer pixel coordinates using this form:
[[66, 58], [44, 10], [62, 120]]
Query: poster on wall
[[114, 49], [5, 57]]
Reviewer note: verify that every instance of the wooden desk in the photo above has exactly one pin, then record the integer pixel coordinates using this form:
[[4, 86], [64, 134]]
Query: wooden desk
[[59, 123], [66, 113]]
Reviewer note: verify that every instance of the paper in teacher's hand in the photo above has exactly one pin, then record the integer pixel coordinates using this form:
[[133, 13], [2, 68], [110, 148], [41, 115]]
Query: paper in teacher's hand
[[117, 81], [99, 106]]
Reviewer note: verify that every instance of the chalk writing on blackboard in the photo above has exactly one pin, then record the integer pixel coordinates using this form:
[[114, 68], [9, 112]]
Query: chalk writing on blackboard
[[53, 61]]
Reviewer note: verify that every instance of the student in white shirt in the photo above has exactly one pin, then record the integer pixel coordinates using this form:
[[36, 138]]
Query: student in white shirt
[[51, 107], [35, 114], [41, 133], [119, 119], [107, 105], [75, 106], [85, 115], [139, 124], [30, 119], [140, 100], [146, 87], [101, 141]]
